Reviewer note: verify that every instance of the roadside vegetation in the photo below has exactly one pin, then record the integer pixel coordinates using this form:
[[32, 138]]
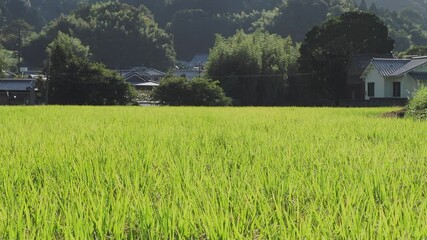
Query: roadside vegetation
[[417, 107]]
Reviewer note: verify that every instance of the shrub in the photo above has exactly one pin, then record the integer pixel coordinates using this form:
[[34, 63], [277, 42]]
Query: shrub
[[178, 91], [417, 107]]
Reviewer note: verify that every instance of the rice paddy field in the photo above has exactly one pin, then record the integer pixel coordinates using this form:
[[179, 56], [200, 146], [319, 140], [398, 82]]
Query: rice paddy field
[[211, 173]]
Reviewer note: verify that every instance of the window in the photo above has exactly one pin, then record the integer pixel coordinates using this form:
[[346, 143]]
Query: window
[[396, 89], [371, 89]]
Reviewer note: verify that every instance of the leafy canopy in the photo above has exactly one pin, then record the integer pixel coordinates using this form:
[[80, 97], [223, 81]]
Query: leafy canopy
[[327, 49], [252, 68], [417, 107], [178, 91], [77, 81], [119, 36]]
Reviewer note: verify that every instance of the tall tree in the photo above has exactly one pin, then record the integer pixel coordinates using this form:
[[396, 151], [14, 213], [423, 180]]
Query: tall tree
[[373, 8], [327, 49], [194, 31], [297, 17], [75, 80], [253, 68], [119, 36], [363, 6], [13, 37]]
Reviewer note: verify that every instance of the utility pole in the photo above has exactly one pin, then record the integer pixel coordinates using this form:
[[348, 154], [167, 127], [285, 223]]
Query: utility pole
[[19, 49], [47, 82]]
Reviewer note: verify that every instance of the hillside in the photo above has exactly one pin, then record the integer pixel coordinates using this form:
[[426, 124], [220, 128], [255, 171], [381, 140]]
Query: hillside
[[192, 24]]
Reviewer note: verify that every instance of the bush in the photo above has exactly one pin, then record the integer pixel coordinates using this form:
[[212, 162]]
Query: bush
[[178, 91], [417, 107]]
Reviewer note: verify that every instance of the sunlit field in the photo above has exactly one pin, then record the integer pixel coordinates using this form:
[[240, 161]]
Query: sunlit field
[[211, 173]]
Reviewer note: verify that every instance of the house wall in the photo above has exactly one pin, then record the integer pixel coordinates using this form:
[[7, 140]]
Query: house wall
[[407, 86], [375, 77]]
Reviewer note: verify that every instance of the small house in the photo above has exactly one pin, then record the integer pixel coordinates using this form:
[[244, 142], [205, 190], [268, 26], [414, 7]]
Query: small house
[[17, 91], [142, 77], [387, 78]]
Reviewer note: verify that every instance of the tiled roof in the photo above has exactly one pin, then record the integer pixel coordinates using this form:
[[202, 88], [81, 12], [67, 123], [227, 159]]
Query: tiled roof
[[419, 75], [135, 76], [414, 63], [16, 84], [387, 66], [154, 72]]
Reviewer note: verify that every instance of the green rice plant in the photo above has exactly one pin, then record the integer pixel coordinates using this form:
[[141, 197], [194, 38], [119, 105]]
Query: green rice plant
[[211, 173]]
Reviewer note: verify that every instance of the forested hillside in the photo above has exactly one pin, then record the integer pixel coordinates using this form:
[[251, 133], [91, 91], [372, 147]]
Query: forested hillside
[[182, 28]]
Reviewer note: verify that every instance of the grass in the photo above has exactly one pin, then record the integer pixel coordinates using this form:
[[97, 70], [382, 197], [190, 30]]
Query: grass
[[211, 173]]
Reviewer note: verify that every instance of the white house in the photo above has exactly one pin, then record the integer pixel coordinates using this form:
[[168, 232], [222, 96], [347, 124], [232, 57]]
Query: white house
[[394, 78]]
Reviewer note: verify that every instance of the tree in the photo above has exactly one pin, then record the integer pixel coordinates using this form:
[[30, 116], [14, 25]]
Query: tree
[[178, 91], [418, 37], [417, 107], [119, 35], [194, 32], [13, 37], [77, 81], [297, 17], [401, 40], [363, 6], [373, 8], [8, 60], [415, 50], [252, 68], [326, 50]]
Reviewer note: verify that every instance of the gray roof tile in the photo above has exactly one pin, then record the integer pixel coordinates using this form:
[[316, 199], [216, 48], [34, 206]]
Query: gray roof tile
[[16, 84], [387, 66], [414, 63]]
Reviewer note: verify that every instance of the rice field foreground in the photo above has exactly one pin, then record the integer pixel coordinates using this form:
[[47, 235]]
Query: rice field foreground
[[211, 173]]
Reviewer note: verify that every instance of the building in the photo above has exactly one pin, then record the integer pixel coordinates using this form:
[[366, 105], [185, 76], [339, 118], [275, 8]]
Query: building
[[357, 65], [142, 77], [17, 91], [386, 78]]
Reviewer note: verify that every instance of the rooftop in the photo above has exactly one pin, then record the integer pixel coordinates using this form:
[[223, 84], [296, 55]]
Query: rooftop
[[387, 66], [390, 67], [16, 84]]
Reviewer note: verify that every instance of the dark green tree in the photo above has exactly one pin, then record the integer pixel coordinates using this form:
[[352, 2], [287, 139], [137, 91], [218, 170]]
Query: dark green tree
[[373, 8], [401, 40], [253, 68], [415, 51], [178, 91], [418, 37], [297, 17], [326, 50], [74, 80], [8, 60], [194, 32], [363, 6], [119, 36]]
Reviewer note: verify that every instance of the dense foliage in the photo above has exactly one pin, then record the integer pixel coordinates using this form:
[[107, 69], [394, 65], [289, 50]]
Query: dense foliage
[[326, 50], [253, 68], [298, 17], [74, 80], [417, 107], [119, 35], [178, 91], [193, 23]]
